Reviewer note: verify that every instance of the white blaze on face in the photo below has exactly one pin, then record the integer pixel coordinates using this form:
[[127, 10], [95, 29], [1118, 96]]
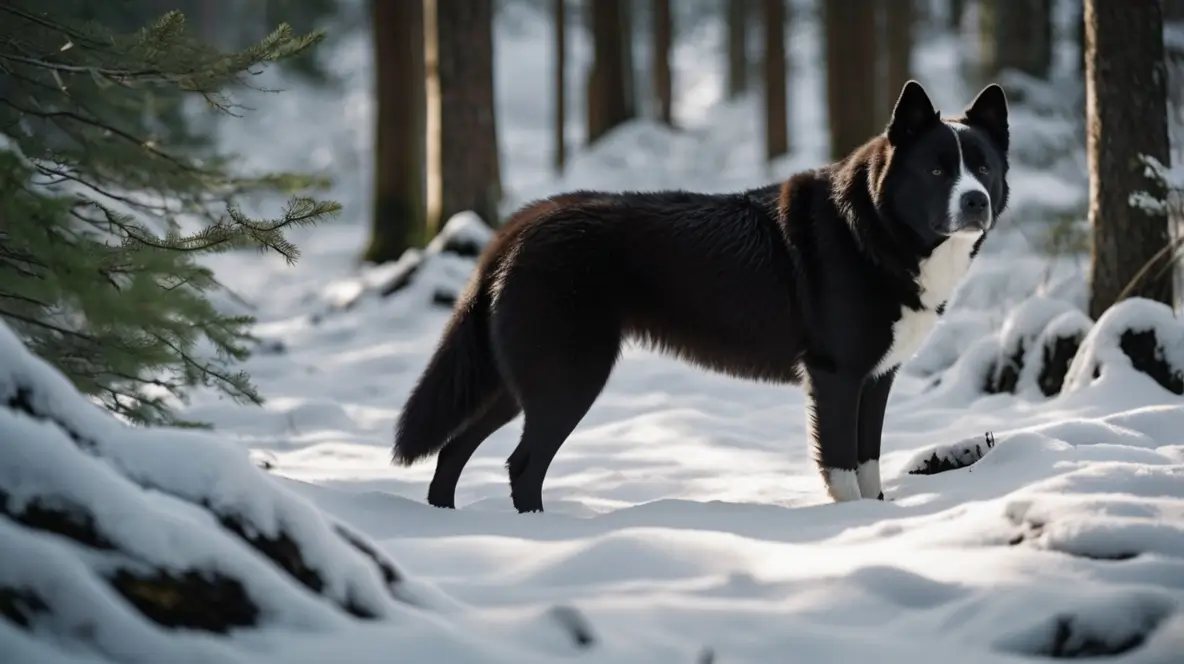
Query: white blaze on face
[[964, 182], [938, 274]]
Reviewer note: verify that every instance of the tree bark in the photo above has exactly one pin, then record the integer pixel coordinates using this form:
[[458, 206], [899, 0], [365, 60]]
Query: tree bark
[[899, 24], [1022, 35], [1125, 53], [607, 103], [851, 43], [776, 104], [663, 85], [560, 83], [398, 216], [470, 175], [738, 13]]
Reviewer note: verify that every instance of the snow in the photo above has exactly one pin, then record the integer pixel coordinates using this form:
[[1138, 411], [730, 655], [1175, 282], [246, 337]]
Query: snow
[[685, 518], [1102, 350]]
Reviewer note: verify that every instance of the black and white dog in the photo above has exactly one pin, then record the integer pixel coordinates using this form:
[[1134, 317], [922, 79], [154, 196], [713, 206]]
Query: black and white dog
[[831, 279]]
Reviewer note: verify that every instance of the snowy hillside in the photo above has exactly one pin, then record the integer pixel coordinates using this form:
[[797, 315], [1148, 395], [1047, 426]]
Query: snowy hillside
[[1033, 458]]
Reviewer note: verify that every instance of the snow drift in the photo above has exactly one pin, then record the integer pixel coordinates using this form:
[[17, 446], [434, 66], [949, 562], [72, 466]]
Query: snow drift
[[150, 545]]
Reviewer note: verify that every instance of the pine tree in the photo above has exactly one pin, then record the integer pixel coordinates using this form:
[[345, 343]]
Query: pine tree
[[107, 198]]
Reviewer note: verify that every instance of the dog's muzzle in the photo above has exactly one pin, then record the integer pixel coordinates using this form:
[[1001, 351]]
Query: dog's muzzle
[[974, 212]]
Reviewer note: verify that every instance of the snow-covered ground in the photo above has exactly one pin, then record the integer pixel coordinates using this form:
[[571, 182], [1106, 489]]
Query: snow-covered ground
[[685, 520]]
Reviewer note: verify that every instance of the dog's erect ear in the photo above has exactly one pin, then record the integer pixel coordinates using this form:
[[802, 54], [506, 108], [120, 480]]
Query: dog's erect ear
[[988, 112], [913, 114]]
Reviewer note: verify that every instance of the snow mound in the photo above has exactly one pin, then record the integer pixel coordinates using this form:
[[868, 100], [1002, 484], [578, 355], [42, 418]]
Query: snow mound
[[1032, 350], [1047, 346], [1120, 523], [154, 544], [1135, 334], [437, 275]]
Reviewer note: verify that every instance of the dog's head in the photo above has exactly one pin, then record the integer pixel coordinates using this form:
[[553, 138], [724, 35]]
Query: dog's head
[[946, 176]]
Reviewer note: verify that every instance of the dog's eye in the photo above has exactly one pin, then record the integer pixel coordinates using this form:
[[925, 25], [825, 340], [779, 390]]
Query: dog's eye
[[937, 171], [983, 169]]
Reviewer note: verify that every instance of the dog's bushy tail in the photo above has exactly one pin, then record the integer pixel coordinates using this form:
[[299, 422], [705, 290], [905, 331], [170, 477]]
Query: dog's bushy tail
[[459, 380]]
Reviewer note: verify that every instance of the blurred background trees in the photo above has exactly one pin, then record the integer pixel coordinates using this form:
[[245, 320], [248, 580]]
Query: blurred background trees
[[435, 132]]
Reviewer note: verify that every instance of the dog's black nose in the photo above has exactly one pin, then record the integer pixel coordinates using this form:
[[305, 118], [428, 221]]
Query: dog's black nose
[[974, 203]]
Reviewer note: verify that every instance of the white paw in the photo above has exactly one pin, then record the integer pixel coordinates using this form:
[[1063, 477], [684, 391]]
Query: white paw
[[868, 475], [842, 485]]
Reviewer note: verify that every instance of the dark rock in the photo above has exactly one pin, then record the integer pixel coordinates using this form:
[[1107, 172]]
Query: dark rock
[[401, 279], [1057, 354], [1006, 375], [1070, 638], [21, 606], [203, 600], [1146, 354], [271, 347], [951, 457], [462, 245]]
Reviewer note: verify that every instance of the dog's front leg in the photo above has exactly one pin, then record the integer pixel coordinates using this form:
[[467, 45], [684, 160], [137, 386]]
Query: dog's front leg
[[832, 408], [872, 404]]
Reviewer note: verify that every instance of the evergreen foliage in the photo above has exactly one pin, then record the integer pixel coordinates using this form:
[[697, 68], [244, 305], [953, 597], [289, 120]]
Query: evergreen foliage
[[108, 199]]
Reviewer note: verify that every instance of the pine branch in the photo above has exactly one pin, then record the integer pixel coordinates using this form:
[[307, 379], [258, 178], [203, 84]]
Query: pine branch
[[99, 172]]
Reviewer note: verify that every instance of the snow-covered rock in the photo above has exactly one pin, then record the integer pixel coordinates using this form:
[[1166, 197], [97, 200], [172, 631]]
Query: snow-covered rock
[[436, 275], [1138, 334], [1046, 346]]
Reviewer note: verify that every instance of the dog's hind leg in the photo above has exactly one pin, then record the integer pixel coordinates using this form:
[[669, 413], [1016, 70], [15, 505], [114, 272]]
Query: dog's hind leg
[[556, 376], [453, 457], [552, 413], [872, 403], [832, 403]]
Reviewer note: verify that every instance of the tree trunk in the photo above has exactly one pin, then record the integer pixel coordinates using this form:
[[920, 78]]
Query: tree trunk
[[850, 27], [1079, 36], [663, 86], [470, 177], [1173, 10], [954, 18], [1022, 34], [607, 103], [776, 105], [1124, 53], [738, 13], [899, 23], [560, 83], [398, 216], [629, 68]]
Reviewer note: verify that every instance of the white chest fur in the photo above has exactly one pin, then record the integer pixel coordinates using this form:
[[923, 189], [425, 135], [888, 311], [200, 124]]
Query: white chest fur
[[939, 275]]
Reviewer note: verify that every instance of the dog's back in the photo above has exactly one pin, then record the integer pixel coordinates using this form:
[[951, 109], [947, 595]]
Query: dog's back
[[705, 277]]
